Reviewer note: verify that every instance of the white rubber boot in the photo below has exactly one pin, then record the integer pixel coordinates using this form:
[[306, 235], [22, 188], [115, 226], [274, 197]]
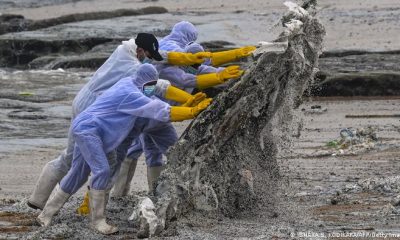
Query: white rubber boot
[[152, 176], [44, 186], [53, 206], [126, 173], [97, 199]]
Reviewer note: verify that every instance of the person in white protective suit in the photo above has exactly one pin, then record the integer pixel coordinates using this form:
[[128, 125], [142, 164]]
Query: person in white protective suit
[[123, 62], [124, 108], [184, 77]]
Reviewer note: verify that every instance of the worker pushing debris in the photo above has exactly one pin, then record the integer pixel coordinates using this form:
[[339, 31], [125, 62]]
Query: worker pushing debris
[[122, 64], [225, 160]]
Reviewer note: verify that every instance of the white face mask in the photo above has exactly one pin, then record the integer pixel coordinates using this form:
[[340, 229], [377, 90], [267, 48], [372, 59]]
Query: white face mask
[[149, 90], [147, 60]]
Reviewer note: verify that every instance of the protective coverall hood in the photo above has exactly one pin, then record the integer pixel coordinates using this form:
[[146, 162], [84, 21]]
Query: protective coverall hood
[[182, 34], [194, 48], [147, 73]]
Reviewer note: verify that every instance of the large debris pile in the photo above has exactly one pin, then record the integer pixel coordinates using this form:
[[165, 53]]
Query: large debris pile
[[226, 159]]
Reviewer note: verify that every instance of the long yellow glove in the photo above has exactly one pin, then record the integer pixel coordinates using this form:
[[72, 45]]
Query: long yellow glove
[[84, 208], [184, 113], [177, 95], [186, 99], [219, 58], [212, 79], [187, 59]]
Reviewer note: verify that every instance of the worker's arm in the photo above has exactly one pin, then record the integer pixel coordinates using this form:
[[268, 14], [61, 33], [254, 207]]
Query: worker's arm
[[183, 97], [219, 58], [185, 59], [178, 77], [212, 79]]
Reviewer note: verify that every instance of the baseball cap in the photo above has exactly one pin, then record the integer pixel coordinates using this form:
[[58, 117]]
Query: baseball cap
[[149, 43]]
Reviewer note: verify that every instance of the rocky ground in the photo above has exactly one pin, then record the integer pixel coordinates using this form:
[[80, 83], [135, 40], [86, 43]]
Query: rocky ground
[[324, 190]]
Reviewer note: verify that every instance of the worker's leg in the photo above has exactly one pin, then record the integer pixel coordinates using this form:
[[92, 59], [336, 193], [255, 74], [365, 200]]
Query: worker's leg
[[84, 208], [122, 176], [127, 170], [92, 150], [71, 183], [156, 143], [51, 174]]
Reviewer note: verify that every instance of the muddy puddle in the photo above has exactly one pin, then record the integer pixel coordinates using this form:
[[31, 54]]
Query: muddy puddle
[[13, 225]]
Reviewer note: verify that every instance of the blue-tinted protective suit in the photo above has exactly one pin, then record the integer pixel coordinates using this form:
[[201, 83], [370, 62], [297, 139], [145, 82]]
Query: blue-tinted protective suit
[[155, 143], [121, 110]]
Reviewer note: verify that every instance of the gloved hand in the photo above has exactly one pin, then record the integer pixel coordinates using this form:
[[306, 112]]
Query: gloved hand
[[84, 208], [201, 106], [184, 113], [187, 59], [219, 58], [244, 51], [211, 79], [230, 72], [194, 100]]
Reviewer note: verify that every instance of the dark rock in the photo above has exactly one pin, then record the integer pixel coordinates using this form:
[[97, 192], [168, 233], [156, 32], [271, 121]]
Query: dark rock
[[357, 73], [19, 49], [359, 84], [9, 17], [368, 62], [28, 114], [94, 16], [13, 23], [17, 23], [344, 53], [20, 52], [92, 59], [216, 44]]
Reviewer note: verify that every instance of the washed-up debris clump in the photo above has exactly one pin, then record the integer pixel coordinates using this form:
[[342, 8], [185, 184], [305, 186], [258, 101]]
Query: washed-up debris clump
[[225, 162], [389, 184], [354, 140]]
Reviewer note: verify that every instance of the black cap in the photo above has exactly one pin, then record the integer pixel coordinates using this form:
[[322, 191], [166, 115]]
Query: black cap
[[149, 43]]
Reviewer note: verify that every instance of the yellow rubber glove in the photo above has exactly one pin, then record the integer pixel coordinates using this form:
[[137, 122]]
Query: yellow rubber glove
[[230, 72], [245, 51], [195, 100], [177, 95], [219, 58], [211, 79], [187, 59], [184, 113], [84, 208]]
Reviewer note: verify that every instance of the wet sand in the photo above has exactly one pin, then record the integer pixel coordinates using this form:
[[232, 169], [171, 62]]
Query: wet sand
[[315, 185]]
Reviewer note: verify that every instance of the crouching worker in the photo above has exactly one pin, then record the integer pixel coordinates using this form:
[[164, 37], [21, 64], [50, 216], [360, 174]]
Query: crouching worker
[[100, 129]]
